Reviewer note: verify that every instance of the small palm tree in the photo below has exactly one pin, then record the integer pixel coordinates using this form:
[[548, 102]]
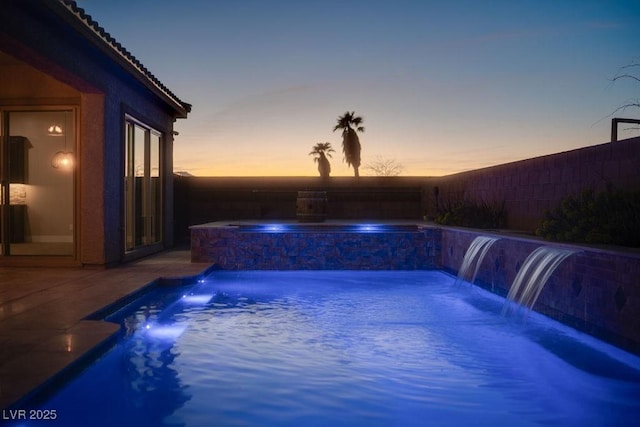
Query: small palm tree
[[320, 152], [350, 141]]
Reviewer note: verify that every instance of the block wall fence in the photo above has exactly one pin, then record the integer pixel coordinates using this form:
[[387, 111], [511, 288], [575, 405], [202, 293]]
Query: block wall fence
[[200, 200], [527, 188], [530, 187]]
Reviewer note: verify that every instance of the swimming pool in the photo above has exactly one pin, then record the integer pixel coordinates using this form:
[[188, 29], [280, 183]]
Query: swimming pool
[[345, 348]]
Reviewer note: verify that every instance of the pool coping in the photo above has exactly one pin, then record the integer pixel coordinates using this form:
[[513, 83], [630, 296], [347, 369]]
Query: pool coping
[[50, 318]]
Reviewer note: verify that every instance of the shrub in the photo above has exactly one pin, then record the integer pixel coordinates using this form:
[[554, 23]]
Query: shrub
[[609, 217], [475, 214]]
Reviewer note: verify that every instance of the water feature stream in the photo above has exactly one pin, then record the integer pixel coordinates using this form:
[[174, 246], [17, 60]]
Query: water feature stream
[[532, 277], [474, 256]]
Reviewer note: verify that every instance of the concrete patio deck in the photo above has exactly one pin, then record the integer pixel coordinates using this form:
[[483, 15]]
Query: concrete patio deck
[[43, 311]]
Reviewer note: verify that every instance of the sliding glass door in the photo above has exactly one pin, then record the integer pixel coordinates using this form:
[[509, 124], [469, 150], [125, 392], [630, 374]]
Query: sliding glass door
[[37, 171], [143, 186]]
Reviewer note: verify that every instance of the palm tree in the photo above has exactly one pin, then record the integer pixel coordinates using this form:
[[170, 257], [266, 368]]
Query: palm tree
[[350, 140], [320, 152]]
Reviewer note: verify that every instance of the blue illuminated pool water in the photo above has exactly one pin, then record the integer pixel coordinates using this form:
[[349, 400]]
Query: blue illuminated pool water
[[345, 348]]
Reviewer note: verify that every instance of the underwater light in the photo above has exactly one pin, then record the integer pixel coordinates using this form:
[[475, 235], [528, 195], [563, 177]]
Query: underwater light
[[164, 332], [274, 228], [197, 299], [369, 228]]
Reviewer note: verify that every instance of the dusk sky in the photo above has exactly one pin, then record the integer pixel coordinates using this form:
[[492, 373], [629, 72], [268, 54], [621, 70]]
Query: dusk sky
[[442, 87]]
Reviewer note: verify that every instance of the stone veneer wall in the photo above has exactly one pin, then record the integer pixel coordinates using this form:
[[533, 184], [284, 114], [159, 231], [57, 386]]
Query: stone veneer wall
[[595, 291], [231, 249]]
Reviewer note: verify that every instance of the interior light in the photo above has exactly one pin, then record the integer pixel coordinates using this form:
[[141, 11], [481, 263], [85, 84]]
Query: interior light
[[63, 160], [55, 130]]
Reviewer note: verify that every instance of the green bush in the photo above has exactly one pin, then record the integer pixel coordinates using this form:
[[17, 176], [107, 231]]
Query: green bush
[[473, 214], [609, 217]]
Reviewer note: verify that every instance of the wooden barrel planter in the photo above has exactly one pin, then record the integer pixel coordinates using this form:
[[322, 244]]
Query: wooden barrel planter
[[311, 206]]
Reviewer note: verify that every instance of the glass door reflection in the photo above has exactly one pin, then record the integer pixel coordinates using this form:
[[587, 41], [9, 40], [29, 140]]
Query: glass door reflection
[[38, 182]]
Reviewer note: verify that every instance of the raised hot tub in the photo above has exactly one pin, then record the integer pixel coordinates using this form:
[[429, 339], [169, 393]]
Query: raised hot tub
[[316, 246]]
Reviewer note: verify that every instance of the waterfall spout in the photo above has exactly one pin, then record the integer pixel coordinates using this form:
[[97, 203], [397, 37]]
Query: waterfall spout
[[474, 256], [533, 275]]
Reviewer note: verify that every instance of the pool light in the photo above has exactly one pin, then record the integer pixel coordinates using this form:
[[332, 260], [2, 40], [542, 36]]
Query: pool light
[[368, 228], [274, 228], [164, 332], [197, 299]]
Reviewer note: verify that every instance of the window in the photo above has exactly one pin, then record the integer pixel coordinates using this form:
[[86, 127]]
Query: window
[[143, 185]]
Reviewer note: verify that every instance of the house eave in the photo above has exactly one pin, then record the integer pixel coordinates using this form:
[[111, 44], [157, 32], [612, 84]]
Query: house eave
[[88, 28]]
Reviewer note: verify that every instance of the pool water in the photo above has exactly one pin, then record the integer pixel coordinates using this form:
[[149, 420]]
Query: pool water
[[345, 348]]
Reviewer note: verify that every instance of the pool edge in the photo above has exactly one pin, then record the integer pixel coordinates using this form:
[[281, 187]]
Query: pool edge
[[58, 352]]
